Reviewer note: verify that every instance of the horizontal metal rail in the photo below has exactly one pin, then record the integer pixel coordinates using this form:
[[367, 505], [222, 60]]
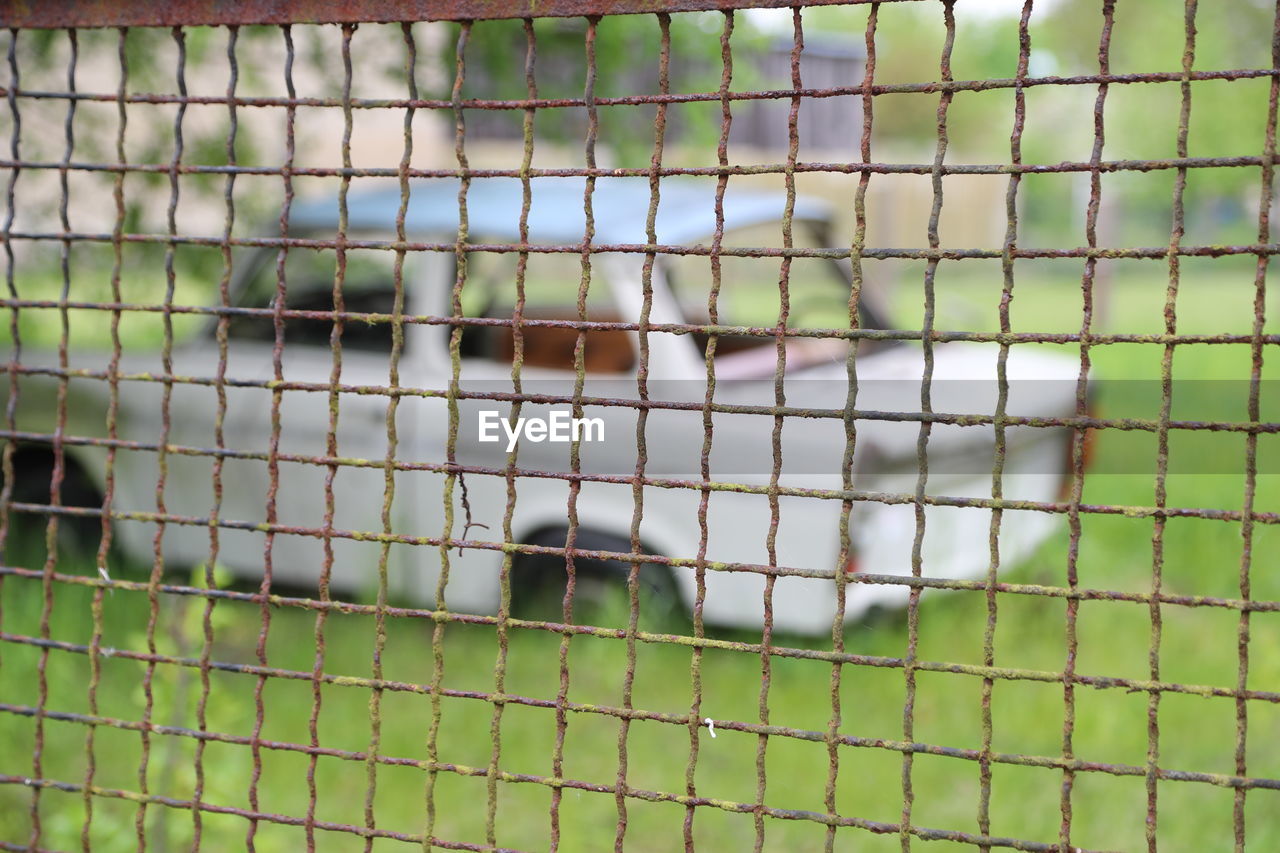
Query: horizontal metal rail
[[33, 14]]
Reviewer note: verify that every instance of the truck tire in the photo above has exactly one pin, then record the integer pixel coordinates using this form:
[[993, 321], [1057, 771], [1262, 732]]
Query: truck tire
[[78, 536], [601, 594]]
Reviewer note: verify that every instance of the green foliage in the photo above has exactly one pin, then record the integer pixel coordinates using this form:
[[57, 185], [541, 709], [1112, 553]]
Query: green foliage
[[627, 58], [1202, 557], [1197, 734], [1227, 119]]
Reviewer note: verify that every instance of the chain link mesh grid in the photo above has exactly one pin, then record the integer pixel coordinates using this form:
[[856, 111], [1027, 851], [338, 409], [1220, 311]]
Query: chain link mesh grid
[[65, 761]]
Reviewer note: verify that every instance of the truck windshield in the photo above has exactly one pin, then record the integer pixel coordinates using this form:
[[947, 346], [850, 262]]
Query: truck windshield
[[552, 281], [749, 295], [368, 287]]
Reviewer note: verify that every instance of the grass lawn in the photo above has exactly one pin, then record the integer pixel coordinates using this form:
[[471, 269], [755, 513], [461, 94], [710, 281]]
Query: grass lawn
[[1198, 647]]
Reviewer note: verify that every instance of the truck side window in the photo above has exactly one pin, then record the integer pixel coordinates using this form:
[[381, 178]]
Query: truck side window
[[368, 287], [749, 293], [551, 285]]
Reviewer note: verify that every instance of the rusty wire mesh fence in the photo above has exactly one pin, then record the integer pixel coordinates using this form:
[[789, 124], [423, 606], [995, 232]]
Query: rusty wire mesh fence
[[262, 586]]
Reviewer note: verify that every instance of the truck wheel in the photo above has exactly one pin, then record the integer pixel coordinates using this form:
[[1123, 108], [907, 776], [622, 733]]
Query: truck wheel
[[601, 596], [78, 536]]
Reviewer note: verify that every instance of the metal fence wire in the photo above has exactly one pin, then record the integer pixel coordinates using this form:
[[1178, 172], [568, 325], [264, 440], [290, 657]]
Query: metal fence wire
[[337, 700]]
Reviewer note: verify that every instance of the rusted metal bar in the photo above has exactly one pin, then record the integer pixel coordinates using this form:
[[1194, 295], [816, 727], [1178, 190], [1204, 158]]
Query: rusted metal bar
[[59, 456], [1001, 448], [780, 399], [1002, 673], [1066, 804], [46, 775], [925, 429], [1160, 253], [1014, 759], [923, 833], [1082, 594], [1247, 530], [932, 87], [29, 14], [664, 171]]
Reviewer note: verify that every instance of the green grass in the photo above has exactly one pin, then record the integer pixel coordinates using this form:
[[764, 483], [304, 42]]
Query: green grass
[[1198, 647]]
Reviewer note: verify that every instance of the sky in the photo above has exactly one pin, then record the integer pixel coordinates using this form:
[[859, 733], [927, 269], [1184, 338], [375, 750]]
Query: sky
[[995, 8], [780, 19]]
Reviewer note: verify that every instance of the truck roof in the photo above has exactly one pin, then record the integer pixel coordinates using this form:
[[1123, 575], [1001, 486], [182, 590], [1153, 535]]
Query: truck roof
[[686, 210]]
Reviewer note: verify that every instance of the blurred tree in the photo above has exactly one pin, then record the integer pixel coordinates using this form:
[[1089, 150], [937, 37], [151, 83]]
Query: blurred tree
[[627, 60], [1226, 119], [1141, 119]]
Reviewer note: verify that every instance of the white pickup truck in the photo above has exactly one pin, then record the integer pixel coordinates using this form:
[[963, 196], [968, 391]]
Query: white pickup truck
[[731, 542]]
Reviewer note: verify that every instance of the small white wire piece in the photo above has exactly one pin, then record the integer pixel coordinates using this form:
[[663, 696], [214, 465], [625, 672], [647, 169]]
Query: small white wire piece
[[102, 572], [711, 726]]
